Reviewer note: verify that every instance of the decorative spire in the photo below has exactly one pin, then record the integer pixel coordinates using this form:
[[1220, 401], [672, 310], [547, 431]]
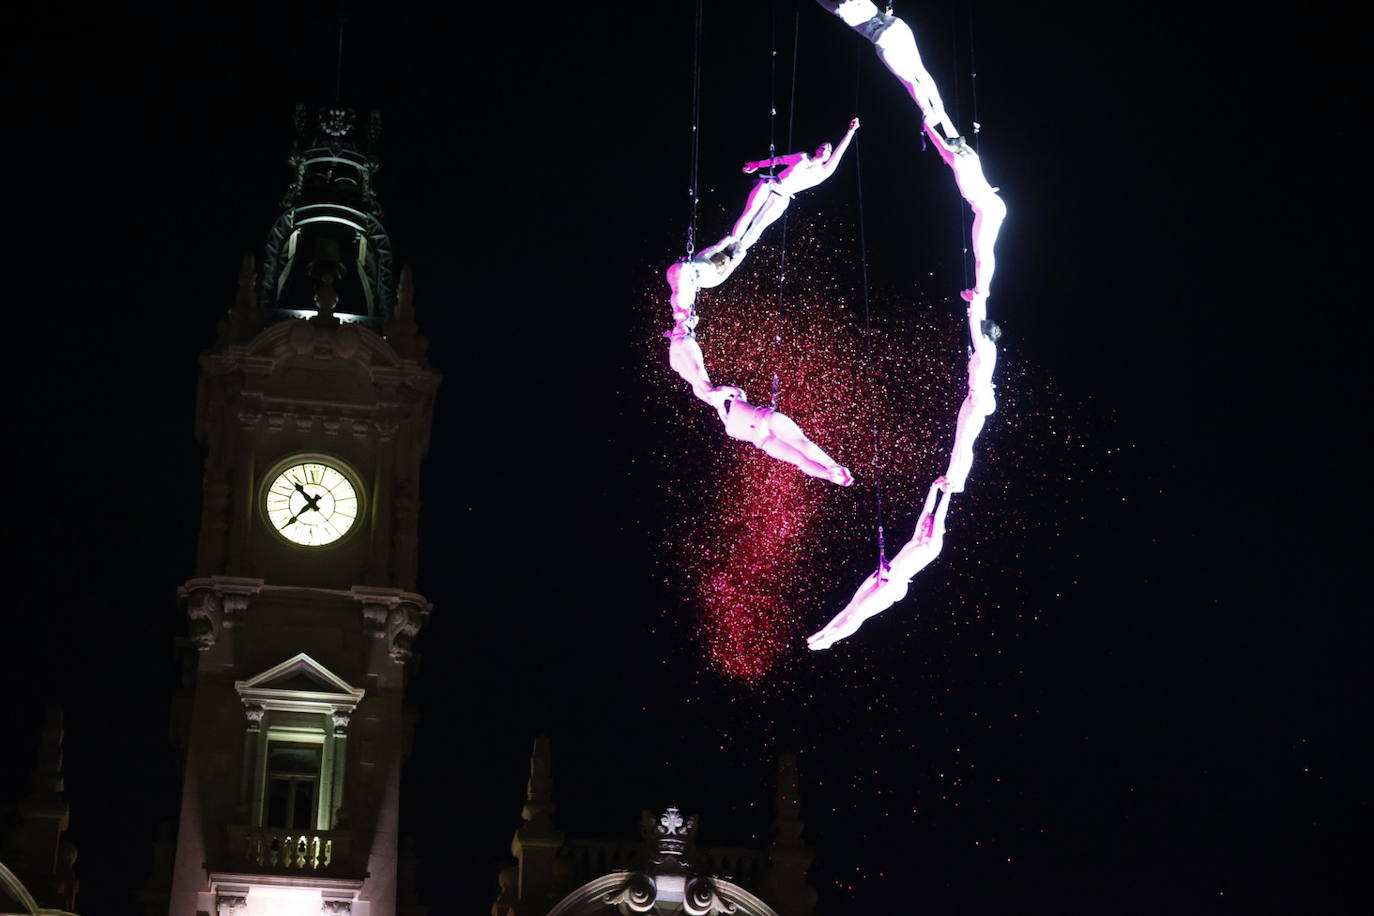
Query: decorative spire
[[47, 782], [246, 300], [46, 855], [537, 843], [244, 318], [401, 331], [405, 295], [789, 858], [539, 806]]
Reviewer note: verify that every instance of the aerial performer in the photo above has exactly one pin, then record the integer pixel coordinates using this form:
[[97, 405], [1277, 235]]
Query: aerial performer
[[896, 47], [889, 582], [980, 402], [772, 194], [768, 200], [765, 427], [988, 209], [769, 429]]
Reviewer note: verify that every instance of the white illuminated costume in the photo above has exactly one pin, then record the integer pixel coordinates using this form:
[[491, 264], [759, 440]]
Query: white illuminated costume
[[772, 194], [769, 429], [988, 209], [896, 47], [980, 402], [888, 586], [765, 427]]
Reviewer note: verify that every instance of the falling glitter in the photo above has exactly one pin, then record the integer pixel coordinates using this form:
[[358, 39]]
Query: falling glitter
[[760, 550]]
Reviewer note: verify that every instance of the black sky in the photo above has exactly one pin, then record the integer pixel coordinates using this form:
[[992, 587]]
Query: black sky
[[1177, 729]]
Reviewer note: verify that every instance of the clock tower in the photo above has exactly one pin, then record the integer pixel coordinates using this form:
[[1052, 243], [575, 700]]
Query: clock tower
[[314, 408]]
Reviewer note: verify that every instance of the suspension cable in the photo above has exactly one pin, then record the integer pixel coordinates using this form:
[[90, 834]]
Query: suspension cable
[[868, 323], [694, 155], [791, 124]]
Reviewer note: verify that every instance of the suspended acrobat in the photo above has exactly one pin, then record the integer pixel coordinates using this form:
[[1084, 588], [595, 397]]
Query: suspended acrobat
[[766, 427], [889, 582], [768, 200], [769, 429], [896, 47]]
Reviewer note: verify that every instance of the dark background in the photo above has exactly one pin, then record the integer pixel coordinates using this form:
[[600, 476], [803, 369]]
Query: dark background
[[1175, 723]]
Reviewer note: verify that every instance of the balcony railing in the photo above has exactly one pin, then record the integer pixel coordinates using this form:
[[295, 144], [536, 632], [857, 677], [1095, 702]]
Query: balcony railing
[[284, 848]]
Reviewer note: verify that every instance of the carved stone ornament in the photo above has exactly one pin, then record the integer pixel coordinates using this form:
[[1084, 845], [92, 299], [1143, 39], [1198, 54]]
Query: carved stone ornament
[[340, 719], [235, 607], [673, 833], [701, 899], [205, 609], [229, 904], [336, 906], [374, 618], [636, 895], [401, 626], [254, 713]]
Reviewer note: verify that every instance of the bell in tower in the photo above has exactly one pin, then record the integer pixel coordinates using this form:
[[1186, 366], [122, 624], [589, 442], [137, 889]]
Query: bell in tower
[[329, 238]]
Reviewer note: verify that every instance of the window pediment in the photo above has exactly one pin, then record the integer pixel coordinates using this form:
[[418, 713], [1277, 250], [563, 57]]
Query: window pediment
[[299, 684]]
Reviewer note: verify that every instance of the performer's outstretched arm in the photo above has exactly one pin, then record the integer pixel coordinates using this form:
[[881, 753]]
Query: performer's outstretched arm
[[684, 355], [829, 166], [789, 159]]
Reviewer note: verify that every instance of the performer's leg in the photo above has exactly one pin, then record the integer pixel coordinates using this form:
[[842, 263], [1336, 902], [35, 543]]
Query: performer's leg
[[785, 441], [773, 207], [961, 455], [988, 213], [757, 198]]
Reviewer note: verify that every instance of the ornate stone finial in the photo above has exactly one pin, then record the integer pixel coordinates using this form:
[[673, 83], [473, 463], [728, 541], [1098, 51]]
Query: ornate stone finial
[[405, 295], [673, 835], [401, 331], [244, 317], [787, 823], [539, 807], [47, 770], [785, 884], [246, 298]]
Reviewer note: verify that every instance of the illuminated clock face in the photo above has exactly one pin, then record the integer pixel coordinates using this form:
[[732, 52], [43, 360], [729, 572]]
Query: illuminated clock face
[[312, 504]]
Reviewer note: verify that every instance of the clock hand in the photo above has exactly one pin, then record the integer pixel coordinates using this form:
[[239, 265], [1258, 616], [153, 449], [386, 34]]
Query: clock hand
[[311, 502]]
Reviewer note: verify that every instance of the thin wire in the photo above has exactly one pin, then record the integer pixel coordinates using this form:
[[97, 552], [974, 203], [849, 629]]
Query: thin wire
[[338, 70], [868, 324], [791, 123], [973, 77], [695, 143], [772, 87]]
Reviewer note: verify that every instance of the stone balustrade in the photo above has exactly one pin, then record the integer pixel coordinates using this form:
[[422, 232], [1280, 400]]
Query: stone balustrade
[[285, 848]]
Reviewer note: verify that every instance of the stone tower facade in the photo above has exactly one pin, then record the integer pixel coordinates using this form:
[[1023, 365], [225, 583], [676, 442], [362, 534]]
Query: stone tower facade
[[314, 408]]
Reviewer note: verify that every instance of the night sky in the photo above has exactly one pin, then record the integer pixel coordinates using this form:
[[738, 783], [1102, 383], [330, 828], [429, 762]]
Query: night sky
[[1136, 680]]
